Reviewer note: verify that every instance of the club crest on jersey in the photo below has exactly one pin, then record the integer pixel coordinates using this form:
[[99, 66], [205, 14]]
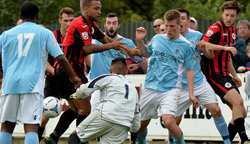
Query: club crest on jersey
[[55, 43], [85, 35], [194, 55], [233, 36], [177, 51], [92, 30], [228, 85], [209, 33]]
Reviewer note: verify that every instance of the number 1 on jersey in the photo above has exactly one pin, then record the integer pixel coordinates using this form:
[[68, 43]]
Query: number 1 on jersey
[[28, 36], [126, 95]]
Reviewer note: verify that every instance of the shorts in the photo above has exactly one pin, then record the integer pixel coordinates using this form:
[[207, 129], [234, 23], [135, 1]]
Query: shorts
[[51, 88], [26, 108], [156, 103], [94, 126], [221, 85], [203, 92]]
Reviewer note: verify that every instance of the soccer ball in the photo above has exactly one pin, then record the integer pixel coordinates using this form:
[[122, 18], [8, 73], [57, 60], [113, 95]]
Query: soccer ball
[[51, 107]]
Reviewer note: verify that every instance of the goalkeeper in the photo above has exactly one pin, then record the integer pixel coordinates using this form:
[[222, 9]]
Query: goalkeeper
[[117, 112]]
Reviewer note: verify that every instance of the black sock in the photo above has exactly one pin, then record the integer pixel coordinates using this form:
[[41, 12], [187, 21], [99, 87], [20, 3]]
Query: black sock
[[232, 131], [79, 119], [40, 132], [240, 127], [133, 137], [73, 139], [65, 120]]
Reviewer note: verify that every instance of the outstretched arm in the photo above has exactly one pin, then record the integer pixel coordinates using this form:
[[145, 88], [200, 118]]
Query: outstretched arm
[[140, 34]]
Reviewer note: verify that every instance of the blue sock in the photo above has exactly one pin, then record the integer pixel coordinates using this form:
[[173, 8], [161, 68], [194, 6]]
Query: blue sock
[[170, 139], [141, 137], [179, 140], [222, 128], [31, 138], [5, 138]]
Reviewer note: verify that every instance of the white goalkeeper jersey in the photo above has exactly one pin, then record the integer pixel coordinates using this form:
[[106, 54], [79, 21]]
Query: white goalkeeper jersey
[[118, 99]]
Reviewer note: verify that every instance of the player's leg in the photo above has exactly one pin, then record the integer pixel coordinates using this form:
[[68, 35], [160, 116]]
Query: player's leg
[[83, 108], [235, 101], [9, 110]]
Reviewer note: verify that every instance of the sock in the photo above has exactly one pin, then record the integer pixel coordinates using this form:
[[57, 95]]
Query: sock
[[40, 132], [232, 131], [170, 139], [240, 127], [222, 128], [179, 140], [141, 137], [73, 139], [65, 120], [31, 138], [5, 138], [133, 137], [79, 119]]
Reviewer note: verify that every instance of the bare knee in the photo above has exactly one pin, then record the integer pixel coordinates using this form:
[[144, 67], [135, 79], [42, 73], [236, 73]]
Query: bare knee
[[168, 121], [144, 125], [216, 112]]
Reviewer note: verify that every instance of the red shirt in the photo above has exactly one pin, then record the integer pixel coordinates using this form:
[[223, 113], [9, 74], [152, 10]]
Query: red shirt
[[220, 35]]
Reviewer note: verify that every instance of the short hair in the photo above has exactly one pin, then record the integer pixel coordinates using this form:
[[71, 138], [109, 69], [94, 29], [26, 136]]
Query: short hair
[[29, 10], [183, 10], [110, 15], [172, 15], [66, 10], [231, 5], [87, 2], [119, 64], [246, 22]]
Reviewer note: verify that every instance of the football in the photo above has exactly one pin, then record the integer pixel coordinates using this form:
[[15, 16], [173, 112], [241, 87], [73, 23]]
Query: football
[[52, 107]]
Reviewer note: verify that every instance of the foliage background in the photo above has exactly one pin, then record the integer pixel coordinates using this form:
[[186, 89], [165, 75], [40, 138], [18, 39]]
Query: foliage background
[[128, 10]]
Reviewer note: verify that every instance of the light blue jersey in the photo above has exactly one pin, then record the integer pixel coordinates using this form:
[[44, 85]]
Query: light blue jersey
[[101, 62], [24, 50], [167, 62], [194, 36]]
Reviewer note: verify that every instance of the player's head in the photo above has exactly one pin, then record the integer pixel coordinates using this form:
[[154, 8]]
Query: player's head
[[91, 9], [184, 20], [66, 16], [172, 22], [111, 24], [163, 29], [193, 23], [29, 12], [243, 28], [119, 66], [230, 11], [157, 24]]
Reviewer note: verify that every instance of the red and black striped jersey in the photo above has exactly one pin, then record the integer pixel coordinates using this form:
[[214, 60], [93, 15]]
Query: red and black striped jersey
[[79, 34], [220, 35]]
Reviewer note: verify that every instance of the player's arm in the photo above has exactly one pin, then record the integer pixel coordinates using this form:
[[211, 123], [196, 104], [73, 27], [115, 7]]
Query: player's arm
[[190, 82], [64, 63], [50, 69], [140, 34], [232, 71]]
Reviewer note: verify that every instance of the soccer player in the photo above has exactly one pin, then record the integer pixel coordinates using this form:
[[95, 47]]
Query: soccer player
[[77, 45], [24, 49], [118, 111], [202, 90], [169, 54], [66, 16], [218, 70]]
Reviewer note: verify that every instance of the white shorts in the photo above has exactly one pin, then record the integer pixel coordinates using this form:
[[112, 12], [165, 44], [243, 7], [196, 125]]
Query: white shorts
[[203, 92], [94, 126], [26, 108], [155, 103], [95, 99]]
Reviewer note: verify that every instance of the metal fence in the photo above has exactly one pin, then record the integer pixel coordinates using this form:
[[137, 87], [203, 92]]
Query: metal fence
[[128, 29]]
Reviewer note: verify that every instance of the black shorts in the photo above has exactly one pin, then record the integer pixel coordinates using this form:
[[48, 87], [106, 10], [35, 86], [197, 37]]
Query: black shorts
[[221, 85], [50, 88]]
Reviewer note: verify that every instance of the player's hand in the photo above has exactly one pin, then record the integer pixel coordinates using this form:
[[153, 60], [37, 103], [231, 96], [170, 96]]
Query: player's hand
[[120, 46], [201, 46], [237, 81], [241, 69], [76, 81], [140, 33], [133, 67], [73, 96], [233, 50], [196, 103], [134, 52]]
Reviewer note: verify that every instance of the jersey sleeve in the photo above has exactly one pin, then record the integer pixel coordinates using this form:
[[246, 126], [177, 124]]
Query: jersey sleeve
[[149, 48], [52, 46], [190, 57], [97, 34], [1, 43], [212, 33]]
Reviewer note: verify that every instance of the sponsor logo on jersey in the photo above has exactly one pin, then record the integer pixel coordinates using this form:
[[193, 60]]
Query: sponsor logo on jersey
[[92, 30], [214, 26], [85, 35], [177, 51], [84, 26], [209, 33], [228, 85]]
